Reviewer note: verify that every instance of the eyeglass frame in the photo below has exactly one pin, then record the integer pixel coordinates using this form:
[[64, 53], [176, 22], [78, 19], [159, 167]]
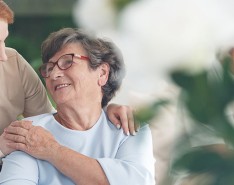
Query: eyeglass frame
[[81, 57]]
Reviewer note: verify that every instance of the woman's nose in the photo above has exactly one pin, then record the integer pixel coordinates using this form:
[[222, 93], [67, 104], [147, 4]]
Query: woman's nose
[[3, 56], [56, 73]]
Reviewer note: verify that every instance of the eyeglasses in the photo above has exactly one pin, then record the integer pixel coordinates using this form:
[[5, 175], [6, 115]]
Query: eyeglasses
[[64, 62]]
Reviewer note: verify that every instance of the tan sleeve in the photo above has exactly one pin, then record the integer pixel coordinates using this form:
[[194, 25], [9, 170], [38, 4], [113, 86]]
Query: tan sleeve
[[36, 99]]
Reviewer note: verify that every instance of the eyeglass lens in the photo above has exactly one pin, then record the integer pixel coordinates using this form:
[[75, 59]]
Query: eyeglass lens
[[63, 63]]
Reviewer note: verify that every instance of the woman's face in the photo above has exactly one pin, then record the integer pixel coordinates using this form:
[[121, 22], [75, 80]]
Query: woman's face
[[76, 85], [3, 36]]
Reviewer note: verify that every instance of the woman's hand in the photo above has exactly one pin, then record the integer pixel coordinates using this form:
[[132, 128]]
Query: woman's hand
[[122, 116], [3, 145], [34, 140]]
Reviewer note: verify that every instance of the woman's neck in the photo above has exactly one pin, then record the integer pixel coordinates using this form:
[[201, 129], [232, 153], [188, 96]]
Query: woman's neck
[[78, 118]]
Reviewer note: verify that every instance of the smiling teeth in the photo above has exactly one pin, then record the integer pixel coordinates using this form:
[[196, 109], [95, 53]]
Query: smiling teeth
[[61, 86]]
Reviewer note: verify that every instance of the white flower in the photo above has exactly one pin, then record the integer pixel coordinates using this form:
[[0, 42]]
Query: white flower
[[156, 36], [95, 15]]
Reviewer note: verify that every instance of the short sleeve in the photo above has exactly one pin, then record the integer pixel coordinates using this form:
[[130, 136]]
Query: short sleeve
[[36, 99]]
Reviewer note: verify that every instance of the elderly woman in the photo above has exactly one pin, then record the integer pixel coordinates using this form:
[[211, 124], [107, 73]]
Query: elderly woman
[[80, 146]]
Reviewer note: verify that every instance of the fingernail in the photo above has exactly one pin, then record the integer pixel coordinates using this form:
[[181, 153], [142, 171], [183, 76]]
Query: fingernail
[[127, 133], [134, 133], [138, 128], [118, 126]]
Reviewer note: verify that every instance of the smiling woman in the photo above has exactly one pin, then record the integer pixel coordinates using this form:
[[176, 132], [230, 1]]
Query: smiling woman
[[79, 143]]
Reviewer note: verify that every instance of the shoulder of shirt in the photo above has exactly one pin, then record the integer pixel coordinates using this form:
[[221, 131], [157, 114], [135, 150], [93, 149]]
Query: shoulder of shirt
[[11, 52], [108, 122], [36, 119], [143, 128]]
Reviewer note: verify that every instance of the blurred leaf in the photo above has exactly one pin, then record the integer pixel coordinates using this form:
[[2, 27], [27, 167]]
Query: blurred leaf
[[206, 99], [145, 114], [202, 161], [121, 4]]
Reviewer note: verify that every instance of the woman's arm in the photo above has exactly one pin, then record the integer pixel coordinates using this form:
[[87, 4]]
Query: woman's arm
[[71, 163], [19, 168]]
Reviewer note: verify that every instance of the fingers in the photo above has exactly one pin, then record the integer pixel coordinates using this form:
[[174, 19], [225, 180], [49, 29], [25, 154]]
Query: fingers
[[3, 143], [23, 124], [123, 114], [17, 146], [115, 121], [128, 122], [16, 132], [15, 138], [18, 127], [137, 126], [131, 123]]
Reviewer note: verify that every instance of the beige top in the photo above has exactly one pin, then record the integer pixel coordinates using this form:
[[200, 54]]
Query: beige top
[[21, 92]]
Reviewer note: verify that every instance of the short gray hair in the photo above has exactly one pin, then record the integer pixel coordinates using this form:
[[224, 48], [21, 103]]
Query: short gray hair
[[99, 51]]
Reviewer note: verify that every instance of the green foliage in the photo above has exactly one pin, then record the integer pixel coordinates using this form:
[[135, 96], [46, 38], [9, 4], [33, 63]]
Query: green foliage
[[28, 32], [145, 114], [120, 4], [200, 161], [36, 64], [207, 99]]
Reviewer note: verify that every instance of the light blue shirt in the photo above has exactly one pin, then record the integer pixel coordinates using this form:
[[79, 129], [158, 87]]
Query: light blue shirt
[[126, 160]]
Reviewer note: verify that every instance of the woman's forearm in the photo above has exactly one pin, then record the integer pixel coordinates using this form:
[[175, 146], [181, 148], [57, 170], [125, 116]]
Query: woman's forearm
[[80, 168]]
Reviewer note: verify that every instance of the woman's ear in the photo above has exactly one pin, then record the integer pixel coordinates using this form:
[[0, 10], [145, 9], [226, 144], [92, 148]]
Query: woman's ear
[[104, 70]]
